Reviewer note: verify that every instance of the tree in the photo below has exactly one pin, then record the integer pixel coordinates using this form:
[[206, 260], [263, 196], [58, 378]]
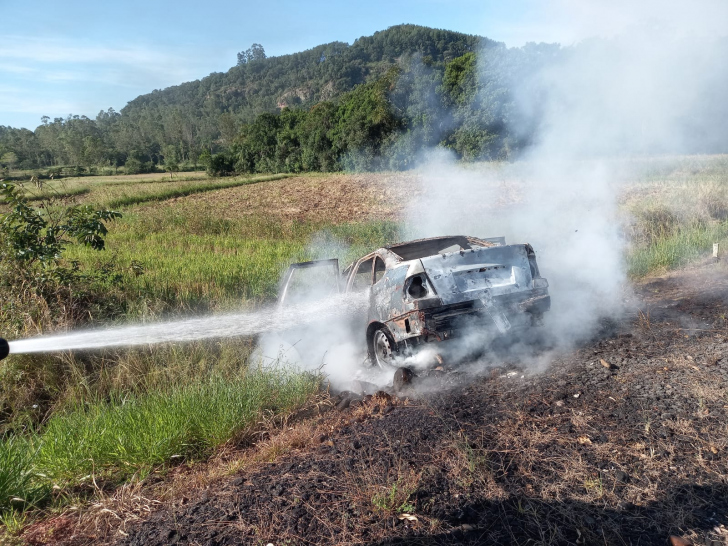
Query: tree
[[9, 159], [459, 82], [221, 165], [254, 53]]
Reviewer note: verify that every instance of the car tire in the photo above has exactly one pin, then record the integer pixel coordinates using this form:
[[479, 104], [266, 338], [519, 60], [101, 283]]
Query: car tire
[[383, 349]]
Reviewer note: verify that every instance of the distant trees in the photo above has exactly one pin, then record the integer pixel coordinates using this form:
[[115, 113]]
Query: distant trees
[[348, 134], [385, 123]]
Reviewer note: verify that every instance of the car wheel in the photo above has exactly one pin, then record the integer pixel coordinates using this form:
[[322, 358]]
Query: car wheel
[[384, 349]]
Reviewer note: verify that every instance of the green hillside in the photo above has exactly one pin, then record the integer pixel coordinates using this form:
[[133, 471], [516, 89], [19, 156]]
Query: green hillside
[[305, 78]]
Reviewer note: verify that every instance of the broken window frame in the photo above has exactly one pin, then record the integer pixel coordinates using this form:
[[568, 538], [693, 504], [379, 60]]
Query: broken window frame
[[285, 283], [377, 261], [355, 271]]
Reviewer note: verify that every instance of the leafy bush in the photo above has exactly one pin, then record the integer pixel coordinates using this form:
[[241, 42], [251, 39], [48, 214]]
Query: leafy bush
[[41, 234], [35, 279]]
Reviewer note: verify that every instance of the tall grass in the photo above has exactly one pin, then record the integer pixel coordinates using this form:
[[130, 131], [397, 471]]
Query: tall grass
[[675, 249], [675, 213], [131, 434], [18, 483], [195, 259]]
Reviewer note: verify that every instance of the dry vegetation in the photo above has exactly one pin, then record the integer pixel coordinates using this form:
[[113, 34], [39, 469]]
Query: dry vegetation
[[321, 199]]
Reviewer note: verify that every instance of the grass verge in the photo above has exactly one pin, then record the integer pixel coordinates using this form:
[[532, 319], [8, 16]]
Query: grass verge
[[675, 249], [133, 434]]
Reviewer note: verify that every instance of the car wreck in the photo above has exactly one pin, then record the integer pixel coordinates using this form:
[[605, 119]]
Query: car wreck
[[431, 290]]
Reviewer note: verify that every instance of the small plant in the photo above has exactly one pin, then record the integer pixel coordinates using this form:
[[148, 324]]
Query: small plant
[[13, 521], [395, 499], [594, 484], [643, 320]]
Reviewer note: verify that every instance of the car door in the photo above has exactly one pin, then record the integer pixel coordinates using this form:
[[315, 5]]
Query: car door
[[309, 281], [381, 296]]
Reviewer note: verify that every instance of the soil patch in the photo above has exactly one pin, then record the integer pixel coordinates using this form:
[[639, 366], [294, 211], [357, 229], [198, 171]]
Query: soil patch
[[332, 198]]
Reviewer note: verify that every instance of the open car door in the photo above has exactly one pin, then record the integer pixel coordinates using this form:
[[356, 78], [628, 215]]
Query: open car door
[[309, 281]]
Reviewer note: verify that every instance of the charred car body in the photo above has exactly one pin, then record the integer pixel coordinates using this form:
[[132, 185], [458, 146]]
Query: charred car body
[[430, 290]]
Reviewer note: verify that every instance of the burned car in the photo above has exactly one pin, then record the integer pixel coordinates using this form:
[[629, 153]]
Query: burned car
[[431, 290]]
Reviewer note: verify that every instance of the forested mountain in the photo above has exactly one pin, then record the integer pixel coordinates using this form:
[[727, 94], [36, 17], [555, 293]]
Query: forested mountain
[[371, 104]]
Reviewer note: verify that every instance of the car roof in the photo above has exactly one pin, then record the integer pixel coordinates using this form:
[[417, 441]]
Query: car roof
[[421, 248]]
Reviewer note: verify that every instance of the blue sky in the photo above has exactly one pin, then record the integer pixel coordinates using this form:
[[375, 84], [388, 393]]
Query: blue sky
[[73, 56]]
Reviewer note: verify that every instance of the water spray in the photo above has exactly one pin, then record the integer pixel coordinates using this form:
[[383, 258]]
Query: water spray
[[334, 308]]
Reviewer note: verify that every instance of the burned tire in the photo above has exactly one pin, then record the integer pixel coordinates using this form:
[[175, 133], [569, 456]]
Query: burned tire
[[383, 349]]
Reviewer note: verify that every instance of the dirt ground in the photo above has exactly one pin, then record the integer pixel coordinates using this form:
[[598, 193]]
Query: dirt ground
[[622, 440], [334, 198]]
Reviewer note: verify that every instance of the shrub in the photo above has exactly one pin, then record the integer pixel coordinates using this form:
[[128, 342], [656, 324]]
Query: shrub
[[221, 165], [39, 286], [133, 166]]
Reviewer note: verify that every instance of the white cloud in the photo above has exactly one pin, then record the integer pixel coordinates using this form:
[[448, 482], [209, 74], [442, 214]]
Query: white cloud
[[57, 76], [57, 59], [16, 99]]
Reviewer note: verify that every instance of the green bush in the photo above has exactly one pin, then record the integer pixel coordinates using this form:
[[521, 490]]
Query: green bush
[[221, 165]]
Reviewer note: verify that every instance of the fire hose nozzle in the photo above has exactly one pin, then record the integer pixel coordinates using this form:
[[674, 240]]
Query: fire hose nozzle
[[4, 348]]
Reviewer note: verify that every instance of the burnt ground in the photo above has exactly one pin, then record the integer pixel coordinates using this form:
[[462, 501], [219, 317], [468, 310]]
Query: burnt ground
[[623, 440]]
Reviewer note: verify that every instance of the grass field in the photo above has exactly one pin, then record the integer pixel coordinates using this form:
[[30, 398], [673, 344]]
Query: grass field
[[194, 244], [674, 212]]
